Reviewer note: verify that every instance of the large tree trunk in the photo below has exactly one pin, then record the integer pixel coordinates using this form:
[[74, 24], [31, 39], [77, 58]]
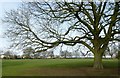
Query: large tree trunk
[[98, 61]]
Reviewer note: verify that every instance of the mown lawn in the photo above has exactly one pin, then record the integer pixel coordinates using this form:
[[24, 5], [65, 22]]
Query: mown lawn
[[57, 67]]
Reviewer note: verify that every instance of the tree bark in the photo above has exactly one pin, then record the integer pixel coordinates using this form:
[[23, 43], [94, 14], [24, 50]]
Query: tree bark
[[98, 61]]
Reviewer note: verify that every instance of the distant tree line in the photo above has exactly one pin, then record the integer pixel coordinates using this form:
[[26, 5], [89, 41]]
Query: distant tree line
[[30, 53]]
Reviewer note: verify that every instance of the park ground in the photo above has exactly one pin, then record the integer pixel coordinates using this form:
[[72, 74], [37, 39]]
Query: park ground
[[57, 67]]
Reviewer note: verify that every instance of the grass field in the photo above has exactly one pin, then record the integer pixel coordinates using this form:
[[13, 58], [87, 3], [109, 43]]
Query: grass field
[[58, 67]]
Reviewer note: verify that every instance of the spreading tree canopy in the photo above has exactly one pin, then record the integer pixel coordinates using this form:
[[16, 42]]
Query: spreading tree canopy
[[46, 25]]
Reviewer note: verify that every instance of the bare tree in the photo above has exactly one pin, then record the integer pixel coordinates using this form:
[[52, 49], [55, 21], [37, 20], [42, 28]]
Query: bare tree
[[28, 52], [112, 49], [8, 54], [46, 25], [76, 54], [65, 54]]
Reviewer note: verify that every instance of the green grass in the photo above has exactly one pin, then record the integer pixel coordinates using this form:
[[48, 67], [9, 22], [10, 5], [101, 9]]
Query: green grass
[[57, 67]]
